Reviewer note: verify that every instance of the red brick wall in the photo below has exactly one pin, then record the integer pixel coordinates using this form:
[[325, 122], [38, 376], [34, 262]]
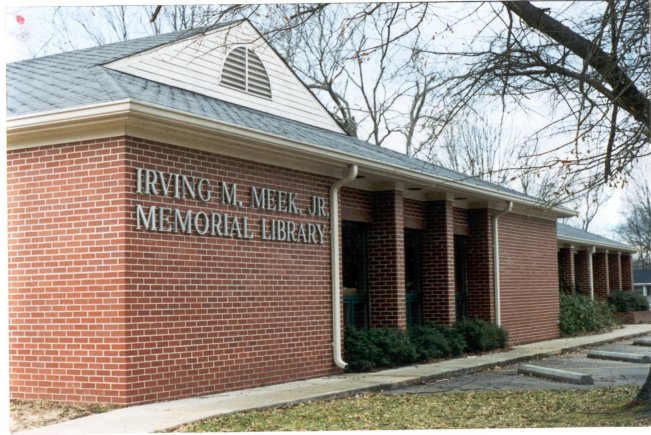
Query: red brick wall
[[356, 205], [103, 312], [582, 270], [386, 262], [627, 272], [67, 224], [208, 314], [528, 278], [600, 274], [414, 214], [438, 264], [481, 292], [614, 272], [461, 223]]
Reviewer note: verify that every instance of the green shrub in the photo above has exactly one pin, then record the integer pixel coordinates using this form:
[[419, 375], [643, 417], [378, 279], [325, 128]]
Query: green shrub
[[429, 342], [368, 349], [456, 342], [628, 301], [480, 335], [579, 314]]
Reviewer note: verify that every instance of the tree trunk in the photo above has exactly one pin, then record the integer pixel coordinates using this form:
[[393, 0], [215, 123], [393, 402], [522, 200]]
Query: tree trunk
[[644, 395]]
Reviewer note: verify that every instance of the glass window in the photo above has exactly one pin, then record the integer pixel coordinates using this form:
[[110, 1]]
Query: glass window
[[355, 274], [413, 276]]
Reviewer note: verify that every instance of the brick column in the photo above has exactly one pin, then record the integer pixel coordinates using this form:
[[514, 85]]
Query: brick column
[[626, 264], [566, 269], [481, 293], [438, 263], [386, 250], [582, 271], [600, 274], [614, 272]]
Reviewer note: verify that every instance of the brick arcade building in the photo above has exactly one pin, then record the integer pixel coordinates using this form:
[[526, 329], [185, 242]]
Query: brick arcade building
[[172, 219]]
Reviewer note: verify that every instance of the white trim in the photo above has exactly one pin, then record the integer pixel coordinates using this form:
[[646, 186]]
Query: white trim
[[49, 120]]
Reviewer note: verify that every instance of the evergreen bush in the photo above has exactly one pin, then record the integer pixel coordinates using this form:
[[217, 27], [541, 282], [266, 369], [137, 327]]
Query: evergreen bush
[[480, 335], [579, 314], [368, 349], [625, 302]]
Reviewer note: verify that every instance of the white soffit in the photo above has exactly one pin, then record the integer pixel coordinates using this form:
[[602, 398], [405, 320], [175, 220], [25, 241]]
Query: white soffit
[[195, 64]]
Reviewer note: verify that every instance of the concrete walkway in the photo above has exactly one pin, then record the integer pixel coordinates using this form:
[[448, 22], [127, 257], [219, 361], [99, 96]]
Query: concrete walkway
[[165, 415]]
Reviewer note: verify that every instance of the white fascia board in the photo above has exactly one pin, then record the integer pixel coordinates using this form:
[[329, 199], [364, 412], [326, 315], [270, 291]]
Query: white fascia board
[[344, 158], [603, 245], [129, 107]]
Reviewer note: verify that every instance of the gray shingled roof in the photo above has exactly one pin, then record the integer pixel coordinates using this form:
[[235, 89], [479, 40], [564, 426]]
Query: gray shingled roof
[[79, 78], [566, 232]]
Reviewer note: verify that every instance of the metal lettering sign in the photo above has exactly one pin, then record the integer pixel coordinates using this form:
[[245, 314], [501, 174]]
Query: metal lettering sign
[[176, 186]]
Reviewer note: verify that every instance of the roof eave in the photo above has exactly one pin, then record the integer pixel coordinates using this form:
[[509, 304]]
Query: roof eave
[[22, 129]]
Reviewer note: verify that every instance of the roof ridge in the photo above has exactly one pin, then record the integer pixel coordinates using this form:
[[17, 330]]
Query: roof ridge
[[166, 38], [108, 83]]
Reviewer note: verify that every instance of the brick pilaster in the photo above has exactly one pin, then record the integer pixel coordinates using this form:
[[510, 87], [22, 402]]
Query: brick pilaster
[[438, 263], [614, 272], [600, 274], [481, 294], [386, 262], [566, 269], [582, 271], [627, 272]]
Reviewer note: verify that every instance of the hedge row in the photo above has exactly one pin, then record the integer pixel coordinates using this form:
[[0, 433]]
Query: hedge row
[[368, 349], [579, 314]]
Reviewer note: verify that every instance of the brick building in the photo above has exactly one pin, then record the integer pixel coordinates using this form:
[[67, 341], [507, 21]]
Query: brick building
[[186, 218]]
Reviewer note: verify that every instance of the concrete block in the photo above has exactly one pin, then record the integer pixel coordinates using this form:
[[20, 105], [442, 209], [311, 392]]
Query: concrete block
[[644, 341], [620, 356], [555, 374]]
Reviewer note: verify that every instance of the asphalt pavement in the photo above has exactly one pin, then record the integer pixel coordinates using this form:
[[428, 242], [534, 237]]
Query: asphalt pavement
[[468, 372], [604, 372]]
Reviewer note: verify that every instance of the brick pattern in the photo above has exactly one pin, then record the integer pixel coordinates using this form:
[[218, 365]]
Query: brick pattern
[[209, 314], [386, 262], [103, 312], [438, 263], [356, 205], [481, 289], [528, 278], [582, 271], [566, 269], [600, 274], [614, 272], [461, 222], [414, 214], [67, 224], [627, 272]]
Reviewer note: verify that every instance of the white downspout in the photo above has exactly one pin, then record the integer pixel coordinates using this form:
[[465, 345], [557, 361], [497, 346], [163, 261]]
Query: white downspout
[[334, 261], [590, 276], [496, 262]]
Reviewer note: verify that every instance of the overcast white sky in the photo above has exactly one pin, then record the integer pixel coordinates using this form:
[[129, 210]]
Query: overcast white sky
[[23, 36]]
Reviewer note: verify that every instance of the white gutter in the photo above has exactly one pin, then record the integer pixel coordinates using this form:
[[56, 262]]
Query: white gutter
[[496, 262], [334, 261], [590, 277]]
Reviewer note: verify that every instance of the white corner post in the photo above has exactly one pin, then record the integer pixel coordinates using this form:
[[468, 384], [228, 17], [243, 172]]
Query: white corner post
[[496, 262], [334, 261]]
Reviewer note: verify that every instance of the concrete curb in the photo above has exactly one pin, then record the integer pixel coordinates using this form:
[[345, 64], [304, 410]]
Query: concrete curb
[[556, 375], [620, 356], [642, 342], [164, 416]]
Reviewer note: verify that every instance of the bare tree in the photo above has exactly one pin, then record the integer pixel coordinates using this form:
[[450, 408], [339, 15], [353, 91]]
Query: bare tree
[[636, 229]]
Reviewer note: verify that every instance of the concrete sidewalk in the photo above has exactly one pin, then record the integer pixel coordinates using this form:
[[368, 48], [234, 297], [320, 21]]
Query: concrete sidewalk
[[165, 415]]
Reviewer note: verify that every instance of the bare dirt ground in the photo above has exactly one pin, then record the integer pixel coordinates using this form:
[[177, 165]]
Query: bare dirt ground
[[28, 414]]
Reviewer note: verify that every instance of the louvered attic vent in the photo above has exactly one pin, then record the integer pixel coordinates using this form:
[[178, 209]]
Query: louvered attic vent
[[244, 71]]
